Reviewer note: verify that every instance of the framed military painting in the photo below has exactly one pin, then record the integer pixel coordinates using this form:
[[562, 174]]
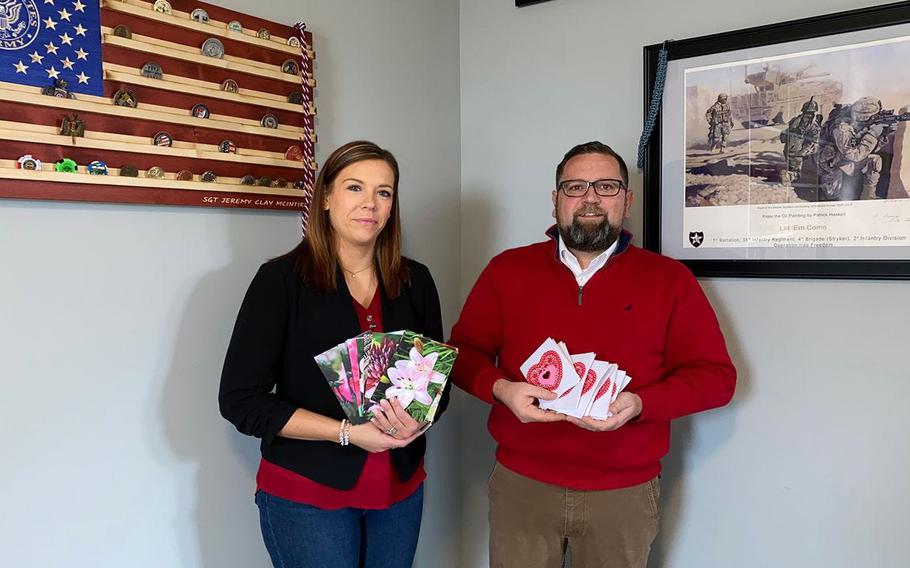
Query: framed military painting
[[784, 150]]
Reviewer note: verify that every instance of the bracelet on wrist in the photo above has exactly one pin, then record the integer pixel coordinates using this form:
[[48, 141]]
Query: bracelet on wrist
[[344, 435]]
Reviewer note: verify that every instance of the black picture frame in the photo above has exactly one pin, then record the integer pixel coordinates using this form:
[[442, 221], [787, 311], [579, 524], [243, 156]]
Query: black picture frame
[[864, 262], [521, 3]]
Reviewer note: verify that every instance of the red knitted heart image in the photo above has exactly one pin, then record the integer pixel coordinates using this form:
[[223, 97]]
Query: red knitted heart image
[[547, 372], [590, 379], [579, 368], [603, 389]]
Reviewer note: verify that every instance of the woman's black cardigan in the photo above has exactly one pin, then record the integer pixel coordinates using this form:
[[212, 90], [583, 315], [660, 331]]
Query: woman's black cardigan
[[269, 369]]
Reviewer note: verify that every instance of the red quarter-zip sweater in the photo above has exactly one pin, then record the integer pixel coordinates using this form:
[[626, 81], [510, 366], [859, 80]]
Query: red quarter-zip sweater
[[642, 311]]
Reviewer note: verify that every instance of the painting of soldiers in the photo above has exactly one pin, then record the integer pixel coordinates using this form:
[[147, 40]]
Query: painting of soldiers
[[827, 126], [789, 153], [855, 145], [800, 141], [720, 122]]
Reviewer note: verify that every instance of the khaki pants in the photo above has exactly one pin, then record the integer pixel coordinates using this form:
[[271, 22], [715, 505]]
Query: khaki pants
[[533, 523]]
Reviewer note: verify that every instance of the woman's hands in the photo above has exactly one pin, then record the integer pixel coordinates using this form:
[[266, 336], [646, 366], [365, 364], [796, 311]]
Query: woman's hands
[[393, 419], [391, 427]]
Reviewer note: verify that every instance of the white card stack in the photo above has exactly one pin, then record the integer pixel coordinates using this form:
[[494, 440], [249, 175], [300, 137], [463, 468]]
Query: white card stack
[[584, 385]]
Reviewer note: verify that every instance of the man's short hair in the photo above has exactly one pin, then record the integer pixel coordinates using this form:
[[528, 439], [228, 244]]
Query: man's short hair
[[594, 147]]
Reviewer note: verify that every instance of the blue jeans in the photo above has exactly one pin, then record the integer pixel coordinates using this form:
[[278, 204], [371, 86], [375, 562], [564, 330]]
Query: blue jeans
[[303, 536]]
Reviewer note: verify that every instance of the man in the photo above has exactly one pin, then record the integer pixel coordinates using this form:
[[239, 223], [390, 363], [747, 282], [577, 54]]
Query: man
[[720, 122], [849, 159], [579, 483], [800, 140]]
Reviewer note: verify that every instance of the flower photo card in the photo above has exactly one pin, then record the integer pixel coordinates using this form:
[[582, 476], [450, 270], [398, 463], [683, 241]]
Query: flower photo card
[[417, 375], [371, 367], [352, 366], [380, 348], [332, 364], [363, 342]]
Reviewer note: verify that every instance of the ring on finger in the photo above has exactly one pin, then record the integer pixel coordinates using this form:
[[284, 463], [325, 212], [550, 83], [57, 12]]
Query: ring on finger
[[391, 431]]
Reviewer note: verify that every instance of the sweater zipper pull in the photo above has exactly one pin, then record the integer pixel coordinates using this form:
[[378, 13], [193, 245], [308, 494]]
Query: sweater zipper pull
[[580, 291]]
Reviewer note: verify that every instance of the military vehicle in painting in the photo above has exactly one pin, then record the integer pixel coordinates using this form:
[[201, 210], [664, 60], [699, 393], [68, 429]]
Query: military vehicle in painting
[[779, 95]]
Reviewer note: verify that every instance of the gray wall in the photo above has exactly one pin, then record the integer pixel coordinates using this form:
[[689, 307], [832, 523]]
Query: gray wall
[[807, 466], [115, 320]]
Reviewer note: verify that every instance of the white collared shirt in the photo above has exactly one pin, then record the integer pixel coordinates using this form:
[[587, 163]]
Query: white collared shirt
[[583, 275]]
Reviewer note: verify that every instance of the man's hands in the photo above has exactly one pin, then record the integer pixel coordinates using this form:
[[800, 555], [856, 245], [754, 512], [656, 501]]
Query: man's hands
[[521, 398], [626, 407]]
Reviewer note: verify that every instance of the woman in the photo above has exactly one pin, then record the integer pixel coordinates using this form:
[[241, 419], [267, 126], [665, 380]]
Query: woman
[[331, 494]]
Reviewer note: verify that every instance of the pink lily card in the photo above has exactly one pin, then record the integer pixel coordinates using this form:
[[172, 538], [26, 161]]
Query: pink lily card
[[417, 376]]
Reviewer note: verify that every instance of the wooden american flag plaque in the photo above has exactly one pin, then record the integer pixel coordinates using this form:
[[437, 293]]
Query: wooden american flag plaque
[[228, 126]]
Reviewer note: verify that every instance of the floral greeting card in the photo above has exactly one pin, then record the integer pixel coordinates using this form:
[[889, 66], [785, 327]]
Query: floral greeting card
[[418, 375], [371, 367]]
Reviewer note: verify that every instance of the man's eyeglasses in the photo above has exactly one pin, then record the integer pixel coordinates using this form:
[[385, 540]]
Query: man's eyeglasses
[[602, 187]]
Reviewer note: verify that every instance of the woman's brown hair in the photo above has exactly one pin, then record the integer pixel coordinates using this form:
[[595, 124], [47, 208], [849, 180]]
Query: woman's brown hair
[[316, 257]]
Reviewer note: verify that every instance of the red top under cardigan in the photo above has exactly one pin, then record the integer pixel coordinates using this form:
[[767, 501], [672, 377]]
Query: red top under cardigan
[[378, 486]]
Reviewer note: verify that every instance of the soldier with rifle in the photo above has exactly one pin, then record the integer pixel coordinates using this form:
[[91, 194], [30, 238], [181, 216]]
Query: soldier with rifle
[[720, 122], [800, 140], [851, 145]]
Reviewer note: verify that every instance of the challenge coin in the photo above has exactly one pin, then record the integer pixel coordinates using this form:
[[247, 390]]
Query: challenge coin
[[290, 66], [199, 15], [294, 153], [201, 111], [151, 70], [129, 170], [123, 30], [160, 6], [269, 120], [213, 47], [163, 139], [155, 172]]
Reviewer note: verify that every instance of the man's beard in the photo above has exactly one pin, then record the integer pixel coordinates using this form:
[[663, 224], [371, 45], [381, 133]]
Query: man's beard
[[586, 237]]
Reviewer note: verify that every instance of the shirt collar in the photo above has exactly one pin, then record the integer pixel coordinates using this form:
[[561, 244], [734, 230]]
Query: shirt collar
[[570, 260], [623, 242]]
